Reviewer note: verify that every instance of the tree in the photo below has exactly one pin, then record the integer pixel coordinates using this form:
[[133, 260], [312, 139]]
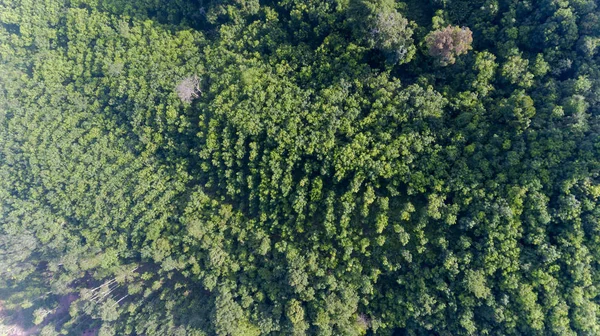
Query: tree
[[189, 89], [310, 190], [40, 314], [515, 71], [295, 314], [377, 24], [587, 45], [448, 43], [518, 110]]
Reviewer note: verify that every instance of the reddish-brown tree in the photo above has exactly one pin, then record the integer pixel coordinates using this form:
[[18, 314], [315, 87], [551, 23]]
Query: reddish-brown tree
[[445, 44]]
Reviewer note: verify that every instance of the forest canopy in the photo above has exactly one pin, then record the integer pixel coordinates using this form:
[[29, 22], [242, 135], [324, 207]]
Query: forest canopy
[[299, 167]]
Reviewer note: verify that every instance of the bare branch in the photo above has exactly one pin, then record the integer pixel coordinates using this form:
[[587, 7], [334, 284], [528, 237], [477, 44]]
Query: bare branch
[[189, 89]]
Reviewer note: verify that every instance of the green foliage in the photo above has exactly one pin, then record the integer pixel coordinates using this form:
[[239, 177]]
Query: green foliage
[[244, 167], [377, 24]]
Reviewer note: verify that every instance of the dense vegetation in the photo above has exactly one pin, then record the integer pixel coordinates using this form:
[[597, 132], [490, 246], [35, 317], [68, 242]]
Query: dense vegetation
[[300, 167]]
